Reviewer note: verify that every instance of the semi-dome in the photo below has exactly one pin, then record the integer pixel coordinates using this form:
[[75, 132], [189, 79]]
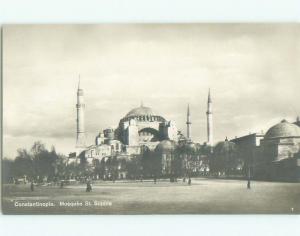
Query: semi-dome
[[282, 130], [140, 111], [165, 146]]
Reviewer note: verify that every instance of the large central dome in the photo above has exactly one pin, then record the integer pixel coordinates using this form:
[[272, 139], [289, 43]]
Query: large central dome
[[140, 111]]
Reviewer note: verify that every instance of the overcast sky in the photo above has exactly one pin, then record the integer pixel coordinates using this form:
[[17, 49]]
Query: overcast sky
[[253, 72]]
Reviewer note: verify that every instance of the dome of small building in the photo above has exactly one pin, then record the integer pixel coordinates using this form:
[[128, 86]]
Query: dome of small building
[[165, 146], [283, 129], [191, 146], [140, 111], [225, 146]]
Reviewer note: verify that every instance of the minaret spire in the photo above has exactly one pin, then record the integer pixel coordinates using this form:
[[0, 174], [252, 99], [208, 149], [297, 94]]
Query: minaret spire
[[209, 98], [209, 120], [188, 123], [79, 82], [80, 107]]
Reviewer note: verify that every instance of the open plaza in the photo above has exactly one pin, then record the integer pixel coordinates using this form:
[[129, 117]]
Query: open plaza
[[203, 196]]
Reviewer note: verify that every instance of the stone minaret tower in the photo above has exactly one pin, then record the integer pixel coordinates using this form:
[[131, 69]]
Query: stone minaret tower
[[209, 121], [80, 106], [188, 123]]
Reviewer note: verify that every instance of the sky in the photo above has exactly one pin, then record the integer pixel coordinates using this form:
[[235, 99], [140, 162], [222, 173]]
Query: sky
[[253, 71]]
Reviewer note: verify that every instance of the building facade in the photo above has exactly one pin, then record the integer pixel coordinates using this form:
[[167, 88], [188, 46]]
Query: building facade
[[141, 133], [274, 155], [141, 126], [280, 148], [248, 148]]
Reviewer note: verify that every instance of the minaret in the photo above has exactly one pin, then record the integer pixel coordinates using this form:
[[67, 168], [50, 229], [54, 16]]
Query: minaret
[[80, 106], [188, 123], [209, 121]]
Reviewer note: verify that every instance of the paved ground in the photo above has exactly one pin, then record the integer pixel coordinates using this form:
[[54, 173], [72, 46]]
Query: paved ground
[[204, 196]]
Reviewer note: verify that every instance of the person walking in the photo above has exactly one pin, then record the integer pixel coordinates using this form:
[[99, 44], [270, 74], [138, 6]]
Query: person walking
[[31, 186], [249, 178], [190, 181], [88, 186], [248, 184]]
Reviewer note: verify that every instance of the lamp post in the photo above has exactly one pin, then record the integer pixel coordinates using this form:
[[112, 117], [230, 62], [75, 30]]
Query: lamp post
[[249, 177]]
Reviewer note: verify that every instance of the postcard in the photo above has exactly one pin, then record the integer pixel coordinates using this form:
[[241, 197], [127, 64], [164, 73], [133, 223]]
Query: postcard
[[151, 119]]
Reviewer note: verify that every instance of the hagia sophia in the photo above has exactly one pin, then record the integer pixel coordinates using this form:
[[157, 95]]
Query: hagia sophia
[[274, 155]]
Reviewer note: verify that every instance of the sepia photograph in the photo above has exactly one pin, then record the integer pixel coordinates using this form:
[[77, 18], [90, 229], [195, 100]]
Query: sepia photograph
[[139, 119]]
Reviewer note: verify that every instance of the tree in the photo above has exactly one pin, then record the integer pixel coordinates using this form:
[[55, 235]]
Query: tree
[[134, 167], [44, 161], [7, 170], [99, 168], [176, 164], [38, 163], [114, 167], [146, 161], [186, 152], [23, 165], [60, 167]]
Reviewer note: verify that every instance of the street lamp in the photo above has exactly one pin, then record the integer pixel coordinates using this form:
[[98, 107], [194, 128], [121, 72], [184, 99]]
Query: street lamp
[[249, 177]]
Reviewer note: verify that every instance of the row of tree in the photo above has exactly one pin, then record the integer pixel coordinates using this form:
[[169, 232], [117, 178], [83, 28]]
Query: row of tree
[[40, 164], [37, 164]]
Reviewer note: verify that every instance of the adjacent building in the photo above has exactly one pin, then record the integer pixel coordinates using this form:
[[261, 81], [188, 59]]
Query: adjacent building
[[279, 158], [248, 148], [274, 155]]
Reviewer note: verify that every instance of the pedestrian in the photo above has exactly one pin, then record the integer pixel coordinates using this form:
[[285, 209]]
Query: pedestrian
[[249, 178], [190, 181], [248, 184], [32, 186], [88, 187]]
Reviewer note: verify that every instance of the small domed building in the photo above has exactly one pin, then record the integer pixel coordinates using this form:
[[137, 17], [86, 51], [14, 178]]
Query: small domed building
[[165, 150], [279, 147], [194, 159], [225, 159]]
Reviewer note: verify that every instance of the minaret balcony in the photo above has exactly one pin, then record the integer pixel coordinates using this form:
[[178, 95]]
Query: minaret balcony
[[80, 105]]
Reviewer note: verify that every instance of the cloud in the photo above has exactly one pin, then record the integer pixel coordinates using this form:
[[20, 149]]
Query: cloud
[[252, 70]]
